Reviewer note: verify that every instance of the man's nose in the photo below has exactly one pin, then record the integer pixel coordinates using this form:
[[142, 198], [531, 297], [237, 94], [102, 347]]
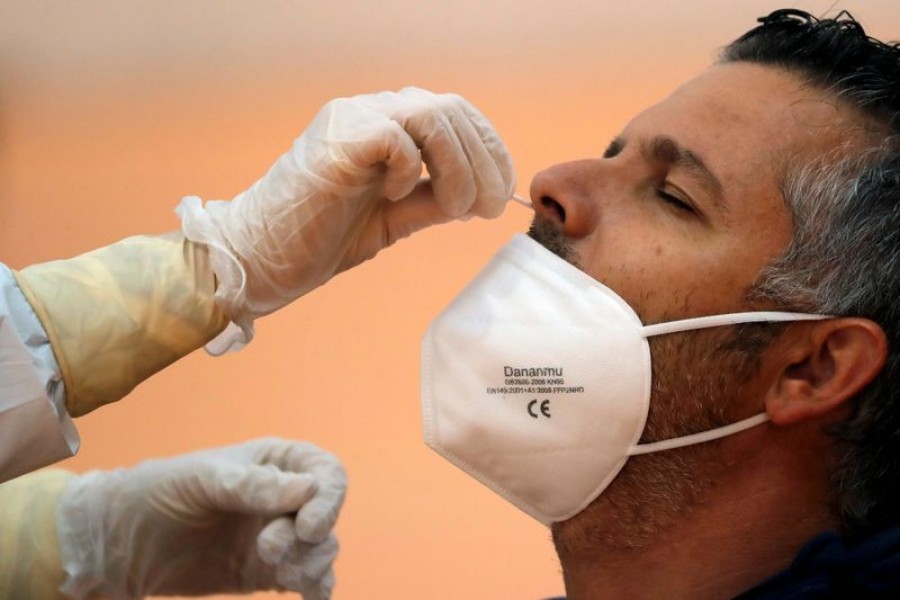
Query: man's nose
[[562, 194]]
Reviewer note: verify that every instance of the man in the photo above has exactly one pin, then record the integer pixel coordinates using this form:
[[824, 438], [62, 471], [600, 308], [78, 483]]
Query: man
[[771, 182]]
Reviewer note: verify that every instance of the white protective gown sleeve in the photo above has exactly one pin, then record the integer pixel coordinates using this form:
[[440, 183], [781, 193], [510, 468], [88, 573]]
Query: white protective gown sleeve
[[35, 427]]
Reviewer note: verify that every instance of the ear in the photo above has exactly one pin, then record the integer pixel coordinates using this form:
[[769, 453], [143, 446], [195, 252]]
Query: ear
[[821, 366]]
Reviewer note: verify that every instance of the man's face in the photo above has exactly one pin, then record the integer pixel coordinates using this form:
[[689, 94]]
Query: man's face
[[684, 208], [678, 217]]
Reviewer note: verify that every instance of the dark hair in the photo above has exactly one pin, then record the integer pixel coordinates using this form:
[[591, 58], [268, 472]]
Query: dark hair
[[844, 257], [833, 54]]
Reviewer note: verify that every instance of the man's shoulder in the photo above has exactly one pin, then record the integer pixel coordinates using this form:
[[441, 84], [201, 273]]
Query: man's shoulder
[[830, 566]]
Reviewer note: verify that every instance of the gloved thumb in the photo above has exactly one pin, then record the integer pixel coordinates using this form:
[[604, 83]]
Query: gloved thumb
[[262, 490], [416, 211]]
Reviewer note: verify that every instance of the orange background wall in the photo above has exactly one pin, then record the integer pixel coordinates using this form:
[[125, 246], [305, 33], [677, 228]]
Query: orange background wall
[[110, 112]]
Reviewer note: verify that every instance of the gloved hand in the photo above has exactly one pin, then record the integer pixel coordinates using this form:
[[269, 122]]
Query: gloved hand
[[349, 186], [254, 516]]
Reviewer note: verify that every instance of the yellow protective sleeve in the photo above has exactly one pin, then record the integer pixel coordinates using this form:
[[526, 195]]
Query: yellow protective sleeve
[[29, 551], [117, 315]]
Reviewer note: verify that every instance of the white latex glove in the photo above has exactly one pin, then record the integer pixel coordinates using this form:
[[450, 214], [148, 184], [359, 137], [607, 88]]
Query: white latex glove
[[349, 186], [255, 516]]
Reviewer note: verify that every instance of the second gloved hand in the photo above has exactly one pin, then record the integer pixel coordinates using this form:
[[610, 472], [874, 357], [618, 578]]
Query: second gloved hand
[[254, 516], [349, 186]]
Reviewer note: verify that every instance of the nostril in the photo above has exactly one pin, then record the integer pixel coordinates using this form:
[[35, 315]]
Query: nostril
[[555, 206]]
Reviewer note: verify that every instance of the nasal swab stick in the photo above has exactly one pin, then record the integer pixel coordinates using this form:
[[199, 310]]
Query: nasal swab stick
[[520, 200]]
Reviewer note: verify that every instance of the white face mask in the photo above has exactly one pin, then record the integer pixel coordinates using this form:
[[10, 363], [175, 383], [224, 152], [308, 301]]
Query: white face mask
[[536, 381]]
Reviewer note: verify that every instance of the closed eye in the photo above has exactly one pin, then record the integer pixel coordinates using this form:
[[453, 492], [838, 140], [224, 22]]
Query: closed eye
[[674, 201]]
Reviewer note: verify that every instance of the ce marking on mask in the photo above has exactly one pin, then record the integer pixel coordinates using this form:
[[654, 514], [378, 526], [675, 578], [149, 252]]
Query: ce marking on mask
[[533, 381], [544, 408]]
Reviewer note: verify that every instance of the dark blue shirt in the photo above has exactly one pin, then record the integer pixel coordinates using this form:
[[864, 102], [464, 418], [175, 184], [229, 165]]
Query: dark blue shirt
[[830, 568]]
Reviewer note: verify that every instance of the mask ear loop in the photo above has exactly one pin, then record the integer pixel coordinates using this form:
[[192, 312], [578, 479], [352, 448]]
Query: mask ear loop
[[730, 319], [699, 438], [703, 323]]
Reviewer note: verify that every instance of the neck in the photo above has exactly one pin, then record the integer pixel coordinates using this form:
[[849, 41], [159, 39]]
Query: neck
[[746, 525]]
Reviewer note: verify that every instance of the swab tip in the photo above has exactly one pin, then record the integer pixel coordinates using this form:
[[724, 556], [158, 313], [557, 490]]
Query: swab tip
[[520, 200]]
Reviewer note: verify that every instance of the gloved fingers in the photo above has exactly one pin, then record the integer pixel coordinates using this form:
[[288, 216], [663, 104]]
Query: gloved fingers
[[323, 588], [496, 148], [491, 165], [401, 157], [316, 517], [489, 199], [452, 176], [263, 490], [428, 119], [355, 137], [275, 539], [481, 184], [307, 568]]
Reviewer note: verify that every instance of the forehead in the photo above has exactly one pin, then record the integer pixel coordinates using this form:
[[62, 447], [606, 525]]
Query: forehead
[[747, 121]]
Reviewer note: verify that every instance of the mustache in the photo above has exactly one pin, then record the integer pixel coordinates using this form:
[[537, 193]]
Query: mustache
[[549, 235]]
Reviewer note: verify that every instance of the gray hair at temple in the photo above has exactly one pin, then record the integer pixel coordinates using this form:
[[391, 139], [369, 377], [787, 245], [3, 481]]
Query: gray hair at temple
[[844, 257]]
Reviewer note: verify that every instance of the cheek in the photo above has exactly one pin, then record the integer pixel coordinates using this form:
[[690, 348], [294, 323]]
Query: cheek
[[666, 275], [664, 280], [656, 277]]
